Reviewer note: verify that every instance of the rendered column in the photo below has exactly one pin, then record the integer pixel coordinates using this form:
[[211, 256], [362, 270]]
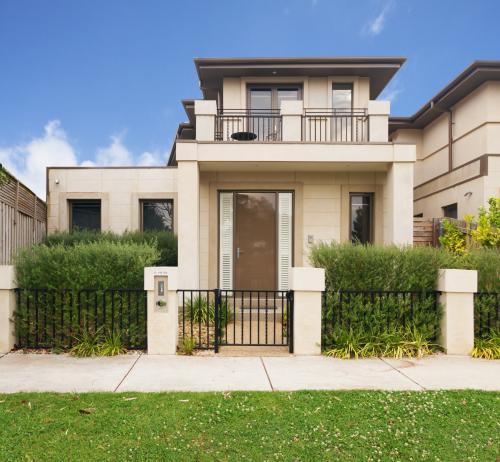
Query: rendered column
[[291, 116], [7, 308], [188, 224], [398, 228], [163, 310], [308, 285], [457, 298]]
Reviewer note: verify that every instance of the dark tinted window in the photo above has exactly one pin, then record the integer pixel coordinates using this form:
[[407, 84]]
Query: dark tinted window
[[158, 215], [450, 211], [85, 214], [361, 217]]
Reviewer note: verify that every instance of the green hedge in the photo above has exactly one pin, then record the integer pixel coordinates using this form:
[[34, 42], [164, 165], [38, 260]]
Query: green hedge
[[357, 267], [166, 242], [85, 265]]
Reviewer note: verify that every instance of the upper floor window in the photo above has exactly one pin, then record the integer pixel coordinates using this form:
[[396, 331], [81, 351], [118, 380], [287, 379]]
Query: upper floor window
[[342, 96], [157, 215], [85, 214], [269, 97]]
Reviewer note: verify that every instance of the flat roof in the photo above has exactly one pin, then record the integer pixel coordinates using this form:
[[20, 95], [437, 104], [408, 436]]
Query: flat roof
[[466, 82], [379, 70]]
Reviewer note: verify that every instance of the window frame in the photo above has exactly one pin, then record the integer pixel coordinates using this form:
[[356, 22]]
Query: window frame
[[72, 202], [372, 215], [273, 87], [142, 201]]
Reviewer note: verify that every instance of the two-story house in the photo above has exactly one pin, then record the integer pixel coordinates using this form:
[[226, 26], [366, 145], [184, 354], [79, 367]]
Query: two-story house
[[279, 154], [457, 134]]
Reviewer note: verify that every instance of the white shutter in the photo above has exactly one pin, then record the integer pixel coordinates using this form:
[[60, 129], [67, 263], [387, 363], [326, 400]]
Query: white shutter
[[226, 241], [285, 223]]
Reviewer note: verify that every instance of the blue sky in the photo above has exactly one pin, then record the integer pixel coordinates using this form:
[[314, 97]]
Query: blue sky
[[100, 81]]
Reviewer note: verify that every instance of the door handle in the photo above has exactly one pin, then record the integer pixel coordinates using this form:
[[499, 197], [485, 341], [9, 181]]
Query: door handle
[[238, 252]]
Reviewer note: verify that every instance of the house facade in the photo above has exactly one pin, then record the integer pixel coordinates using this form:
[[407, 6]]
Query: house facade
[[278, 155], [457, 136]]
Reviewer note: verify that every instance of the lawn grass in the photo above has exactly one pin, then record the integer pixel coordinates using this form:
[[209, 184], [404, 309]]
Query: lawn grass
[[305, 426]]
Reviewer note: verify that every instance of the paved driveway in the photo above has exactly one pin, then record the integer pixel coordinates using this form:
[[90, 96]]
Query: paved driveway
[[63, 373]]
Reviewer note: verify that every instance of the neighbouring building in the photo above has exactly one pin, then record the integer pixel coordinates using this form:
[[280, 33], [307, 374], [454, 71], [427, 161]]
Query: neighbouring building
[[23, 217], [457, 135], [278, 155]]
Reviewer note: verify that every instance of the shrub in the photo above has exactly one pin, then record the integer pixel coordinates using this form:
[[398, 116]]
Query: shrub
[[359, 267], [453, 239], [487, 233], [487, 263], [393, 343], [90, 265], [112, 345], [95, 344], [165, 242], [187, 346], [87, 344], [203, 311], [488, 347]]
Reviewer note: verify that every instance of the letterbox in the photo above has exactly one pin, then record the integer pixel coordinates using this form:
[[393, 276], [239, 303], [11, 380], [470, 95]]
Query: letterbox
[[161, 288]]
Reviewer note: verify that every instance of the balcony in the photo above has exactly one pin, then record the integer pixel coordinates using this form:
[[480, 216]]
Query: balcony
[[292, 123]]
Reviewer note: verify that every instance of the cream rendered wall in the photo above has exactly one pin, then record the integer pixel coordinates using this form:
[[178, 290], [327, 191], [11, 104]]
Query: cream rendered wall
[[476, 132], [317, 91], [321, 208], [431, 206], [120, 190]]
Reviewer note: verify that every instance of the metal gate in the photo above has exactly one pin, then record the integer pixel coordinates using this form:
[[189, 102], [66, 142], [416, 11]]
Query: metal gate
[[253, 318]]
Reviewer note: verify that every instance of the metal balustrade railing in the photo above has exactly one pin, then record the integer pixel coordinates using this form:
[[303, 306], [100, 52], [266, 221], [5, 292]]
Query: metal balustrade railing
[[248, 125], [335, 126]]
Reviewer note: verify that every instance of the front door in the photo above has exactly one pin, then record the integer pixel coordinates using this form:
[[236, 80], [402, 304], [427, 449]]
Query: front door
[[255, 239]]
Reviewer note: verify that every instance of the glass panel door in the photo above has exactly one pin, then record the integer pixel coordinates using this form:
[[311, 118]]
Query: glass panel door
[[259, 122], [342, 108]]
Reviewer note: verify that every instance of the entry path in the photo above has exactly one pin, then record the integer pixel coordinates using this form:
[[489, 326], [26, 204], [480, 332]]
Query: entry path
[[63, 373]]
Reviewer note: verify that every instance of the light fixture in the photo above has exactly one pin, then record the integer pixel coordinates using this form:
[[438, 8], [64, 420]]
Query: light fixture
[[468, 194]]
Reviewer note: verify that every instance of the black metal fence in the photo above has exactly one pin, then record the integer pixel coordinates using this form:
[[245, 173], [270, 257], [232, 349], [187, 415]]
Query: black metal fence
[[248, 125], [378, 311], [47, 318], [335, 125], [486, 313], [213, 318]]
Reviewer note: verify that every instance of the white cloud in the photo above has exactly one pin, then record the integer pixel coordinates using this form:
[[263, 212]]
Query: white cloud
[[392, 91], [28, 161], [148, 159], [376, 26], [116, 154]]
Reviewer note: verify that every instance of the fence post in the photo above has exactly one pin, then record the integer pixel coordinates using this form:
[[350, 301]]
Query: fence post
[[308, 285], [160, 282], [457, 298], [7, 308]]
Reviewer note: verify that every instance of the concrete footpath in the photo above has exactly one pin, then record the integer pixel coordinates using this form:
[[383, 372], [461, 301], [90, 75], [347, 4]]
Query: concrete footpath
[[135, 372]]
